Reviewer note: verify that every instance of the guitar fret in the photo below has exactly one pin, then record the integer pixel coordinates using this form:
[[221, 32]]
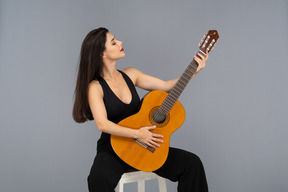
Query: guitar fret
[[191, 68], [174, 95], [164, 105], [162, 111], [193, 65], [168, 104], [178, 91], [169, 101], [191, 71], [169, 107], [180, 84], [172, 100], [187, 76], [185, 81], [165, 108]]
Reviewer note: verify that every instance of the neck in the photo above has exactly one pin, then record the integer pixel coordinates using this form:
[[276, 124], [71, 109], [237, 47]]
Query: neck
[[109, 70]]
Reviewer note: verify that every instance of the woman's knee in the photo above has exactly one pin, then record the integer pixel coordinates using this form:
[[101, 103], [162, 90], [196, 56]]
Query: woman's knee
[[188, 159]]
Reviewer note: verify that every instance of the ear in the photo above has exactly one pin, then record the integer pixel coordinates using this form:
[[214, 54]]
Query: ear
[[103, 55]]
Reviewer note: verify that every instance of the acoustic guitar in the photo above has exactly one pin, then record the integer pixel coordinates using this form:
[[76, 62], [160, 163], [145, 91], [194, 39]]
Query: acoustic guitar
[[163, 110]]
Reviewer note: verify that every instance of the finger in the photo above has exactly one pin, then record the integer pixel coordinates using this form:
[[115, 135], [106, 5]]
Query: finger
[[207, 55], [204, 58], [154, 144], [151, 127], [201, 56], [198, 60], [158, 140], [151, 144], [201, 61], [157, 135]]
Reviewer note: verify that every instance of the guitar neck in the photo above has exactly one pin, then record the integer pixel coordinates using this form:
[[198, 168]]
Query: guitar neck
[[179, 87]]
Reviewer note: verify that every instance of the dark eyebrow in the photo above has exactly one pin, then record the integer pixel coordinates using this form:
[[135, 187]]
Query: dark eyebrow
[[112, 39]]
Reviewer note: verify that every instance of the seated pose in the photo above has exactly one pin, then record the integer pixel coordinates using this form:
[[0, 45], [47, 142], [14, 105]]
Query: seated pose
[[108, 95]]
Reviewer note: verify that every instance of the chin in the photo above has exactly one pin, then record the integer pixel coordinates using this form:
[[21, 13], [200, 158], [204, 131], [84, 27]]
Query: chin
[[123, 55]]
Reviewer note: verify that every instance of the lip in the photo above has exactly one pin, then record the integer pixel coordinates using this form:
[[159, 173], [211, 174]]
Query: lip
[[122, 49]]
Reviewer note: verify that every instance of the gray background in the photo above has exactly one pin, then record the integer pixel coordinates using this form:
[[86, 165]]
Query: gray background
[[236, 108]]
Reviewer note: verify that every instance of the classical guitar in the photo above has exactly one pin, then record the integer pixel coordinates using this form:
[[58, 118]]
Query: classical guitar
[[163, 110]]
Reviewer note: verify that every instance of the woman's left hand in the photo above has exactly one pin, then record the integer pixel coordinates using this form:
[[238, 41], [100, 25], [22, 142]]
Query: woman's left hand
[[201, 61]]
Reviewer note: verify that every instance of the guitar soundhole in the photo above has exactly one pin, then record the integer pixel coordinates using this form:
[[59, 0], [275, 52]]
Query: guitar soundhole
[[158, 118]]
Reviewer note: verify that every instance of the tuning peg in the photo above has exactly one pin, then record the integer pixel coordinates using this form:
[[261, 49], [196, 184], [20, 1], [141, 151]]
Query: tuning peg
[[213, 47], [201, 41]]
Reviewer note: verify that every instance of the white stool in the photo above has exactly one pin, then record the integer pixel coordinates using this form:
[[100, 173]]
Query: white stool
[[140, 177]]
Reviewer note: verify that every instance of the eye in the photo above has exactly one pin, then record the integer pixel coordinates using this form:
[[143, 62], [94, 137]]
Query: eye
[[113, 43]]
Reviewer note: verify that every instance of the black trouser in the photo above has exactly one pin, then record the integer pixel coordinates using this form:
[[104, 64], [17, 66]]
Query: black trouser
[[181, 166]]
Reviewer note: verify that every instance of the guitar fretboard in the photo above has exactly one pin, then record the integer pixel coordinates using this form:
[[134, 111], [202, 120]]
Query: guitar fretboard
[[176, 91]]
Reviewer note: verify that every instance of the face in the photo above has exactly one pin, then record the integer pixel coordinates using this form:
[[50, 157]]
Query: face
[[114, 49]]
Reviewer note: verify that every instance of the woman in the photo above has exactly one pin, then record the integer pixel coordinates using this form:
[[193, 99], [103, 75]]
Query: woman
[[108, 95]]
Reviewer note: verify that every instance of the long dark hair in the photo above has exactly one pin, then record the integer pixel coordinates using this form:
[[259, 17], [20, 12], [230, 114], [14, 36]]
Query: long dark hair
[[90, 68]]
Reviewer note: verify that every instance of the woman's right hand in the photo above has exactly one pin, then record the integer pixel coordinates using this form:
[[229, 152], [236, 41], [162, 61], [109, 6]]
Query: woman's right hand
[[147, 137]]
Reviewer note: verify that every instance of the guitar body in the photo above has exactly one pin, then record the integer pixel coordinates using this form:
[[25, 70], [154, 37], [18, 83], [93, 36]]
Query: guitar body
[[163, 110], [134, 153]]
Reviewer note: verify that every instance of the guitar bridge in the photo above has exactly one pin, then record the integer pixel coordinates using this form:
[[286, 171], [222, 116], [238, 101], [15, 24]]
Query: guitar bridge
[[151, 149]]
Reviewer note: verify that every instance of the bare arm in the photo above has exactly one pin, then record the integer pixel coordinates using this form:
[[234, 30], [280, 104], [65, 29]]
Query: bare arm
[[96, 103], [150, 83]]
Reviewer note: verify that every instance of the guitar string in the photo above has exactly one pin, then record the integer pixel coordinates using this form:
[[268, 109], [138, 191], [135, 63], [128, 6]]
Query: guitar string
[[180, 85], [172, 97], [176, 91]]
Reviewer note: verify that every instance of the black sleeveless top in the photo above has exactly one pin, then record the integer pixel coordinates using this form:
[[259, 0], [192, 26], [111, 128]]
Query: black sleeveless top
[[116, 109]]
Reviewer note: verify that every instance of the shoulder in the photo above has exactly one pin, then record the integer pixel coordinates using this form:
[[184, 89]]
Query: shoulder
[[133, 73], [95, 88]]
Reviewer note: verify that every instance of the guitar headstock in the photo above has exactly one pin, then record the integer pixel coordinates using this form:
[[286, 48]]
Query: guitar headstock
[[208, 41]]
